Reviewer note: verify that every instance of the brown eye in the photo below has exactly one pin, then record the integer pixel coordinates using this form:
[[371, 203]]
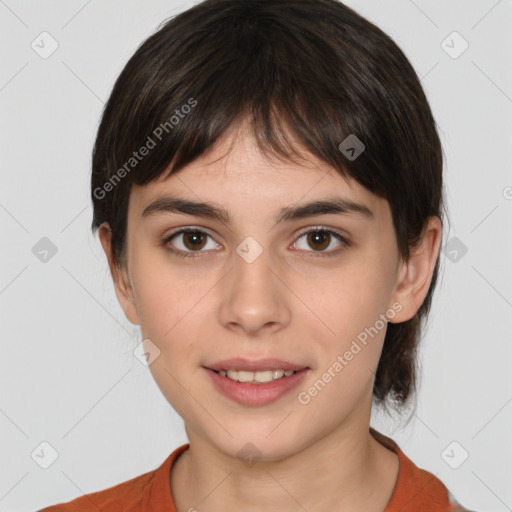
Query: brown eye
[[189, 242], [321, 241], [194, 239], [318, 240]]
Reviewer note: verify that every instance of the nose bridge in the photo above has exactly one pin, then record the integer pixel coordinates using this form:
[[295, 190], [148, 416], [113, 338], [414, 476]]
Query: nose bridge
[[254, 297]]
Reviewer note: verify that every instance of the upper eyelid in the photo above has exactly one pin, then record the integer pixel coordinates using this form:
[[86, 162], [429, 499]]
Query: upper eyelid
[[302, 232], [186, 229]]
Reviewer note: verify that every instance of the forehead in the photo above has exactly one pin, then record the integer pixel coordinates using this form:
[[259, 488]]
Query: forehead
[[236, 174]]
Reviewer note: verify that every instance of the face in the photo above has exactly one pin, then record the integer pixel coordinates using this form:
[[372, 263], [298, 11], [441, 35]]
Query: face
[[306, 290]]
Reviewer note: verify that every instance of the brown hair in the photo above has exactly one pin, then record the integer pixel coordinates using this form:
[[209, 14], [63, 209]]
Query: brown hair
[[313, 71]]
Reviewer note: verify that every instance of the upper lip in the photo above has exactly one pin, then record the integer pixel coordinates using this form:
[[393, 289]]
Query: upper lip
[[239, 363]]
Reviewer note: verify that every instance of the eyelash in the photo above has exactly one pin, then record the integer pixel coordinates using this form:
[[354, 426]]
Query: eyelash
[[315, 254]]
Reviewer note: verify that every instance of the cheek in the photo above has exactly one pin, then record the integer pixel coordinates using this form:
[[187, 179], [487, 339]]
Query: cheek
[[351, 332], [168, 295], [347, 299], [160, 311], [174, 313], [170, 316]]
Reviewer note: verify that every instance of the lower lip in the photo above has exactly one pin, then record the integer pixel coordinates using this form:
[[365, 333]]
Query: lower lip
[[256, 394]]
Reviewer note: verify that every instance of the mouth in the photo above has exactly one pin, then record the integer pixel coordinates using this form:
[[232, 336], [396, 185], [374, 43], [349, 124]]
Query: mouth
[[256, 388]]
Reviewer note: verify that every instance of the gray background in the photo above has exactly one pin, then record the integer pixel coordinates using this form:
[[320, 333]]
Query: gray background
[[68, 376]]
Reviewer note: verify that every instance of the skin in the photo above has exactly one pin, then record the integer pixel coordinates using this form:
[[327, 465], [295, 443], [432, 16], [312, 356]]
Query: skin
[[286, 304]]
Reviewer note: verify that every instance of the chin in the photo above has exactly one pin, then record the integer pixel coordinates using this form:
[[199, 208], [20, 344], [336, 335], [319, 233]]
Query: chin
[[253, 449]]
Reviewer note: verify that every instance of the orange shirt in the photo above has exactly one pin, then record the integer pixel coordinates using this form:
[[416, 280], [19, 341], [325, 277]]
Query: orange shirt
[[416, 490]]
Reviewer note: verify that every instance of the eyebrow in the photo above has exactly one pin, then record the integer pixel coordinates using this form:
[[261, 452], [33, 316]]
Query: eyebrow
[[331, 205]]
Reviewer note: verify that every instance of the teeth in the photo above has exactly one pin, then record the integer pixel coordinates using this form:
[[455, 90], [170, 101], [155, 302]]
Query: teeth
[[261, 377]]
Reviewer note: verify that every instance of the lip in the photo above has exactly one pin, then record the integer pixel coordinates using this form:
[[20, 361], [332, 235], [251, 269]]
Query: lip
[[256, 394], [240, 363]]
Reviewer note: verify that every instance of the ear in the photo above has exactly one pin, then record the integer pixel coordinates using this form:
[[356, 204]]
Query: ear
[[120, 277], [415, 275]]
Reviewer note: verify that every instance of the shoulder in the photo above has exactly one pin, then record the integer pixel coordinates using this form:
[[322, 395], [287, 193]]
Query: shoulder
[[123, 496], [140, 493], [417, 489]]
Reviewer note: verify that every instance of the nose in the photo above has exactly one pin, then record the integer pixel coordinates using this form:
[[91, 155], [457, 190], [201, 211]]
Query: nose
[[254, 297]]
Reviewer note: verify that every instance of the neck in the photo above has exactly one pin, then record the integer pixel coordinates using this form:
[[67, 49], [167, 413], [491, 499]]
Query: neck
[[346, 470]]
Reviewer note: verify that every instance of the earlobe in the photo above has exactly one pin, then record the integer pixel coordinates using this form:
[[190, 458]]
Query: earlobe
[[415, 275], [122, 285]]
